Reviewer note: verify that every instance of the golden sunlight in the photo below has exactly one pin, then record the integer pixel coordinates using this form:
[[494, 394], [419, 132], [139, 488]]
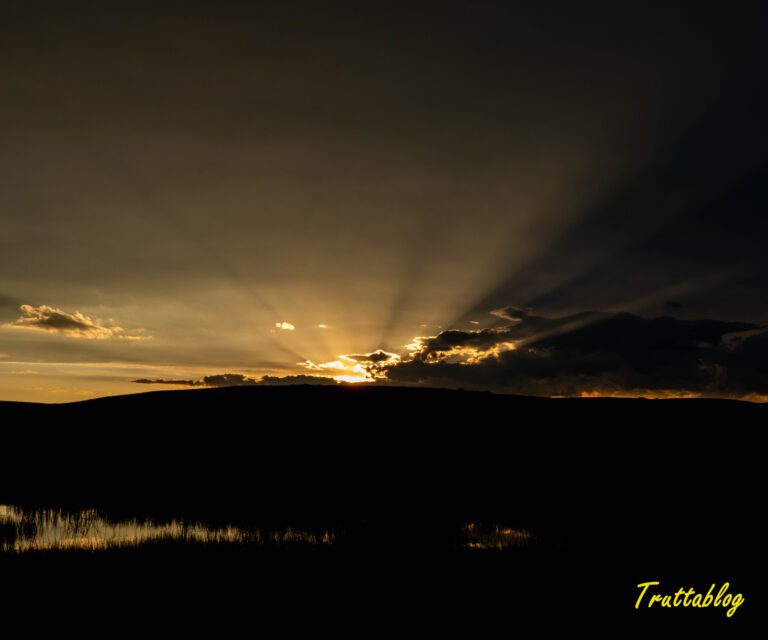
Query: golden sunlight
[[352, 379]]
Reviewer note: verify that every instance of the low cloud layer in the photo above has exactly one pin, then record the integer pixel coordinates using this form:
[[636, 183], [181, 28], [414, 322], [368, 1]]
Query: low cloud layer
[[594, 352], [377, 357], [73, 325], [240, 380], [590, 353]]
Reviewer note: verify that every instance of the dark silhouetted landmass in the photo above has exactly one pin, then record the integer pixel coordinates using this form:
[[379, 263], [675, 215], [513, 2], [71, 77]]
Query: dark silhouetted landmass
[[616, 490]]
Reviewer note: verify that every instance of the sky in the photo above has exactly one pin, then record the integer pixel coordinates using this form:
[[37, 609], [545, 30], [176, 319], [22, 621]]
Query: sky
[[555, 198]]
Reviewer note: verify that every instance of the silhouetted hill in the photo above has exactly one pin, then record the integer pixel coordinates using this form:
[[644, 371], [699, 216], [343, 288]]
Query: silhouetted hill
[[617, 491], [359, 452]]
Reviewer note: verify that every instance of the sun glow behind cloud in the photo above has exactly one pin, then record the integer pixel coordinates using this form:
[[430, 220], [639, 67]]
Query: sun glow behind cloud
[[458, 354], [355, 368], [352, 379]]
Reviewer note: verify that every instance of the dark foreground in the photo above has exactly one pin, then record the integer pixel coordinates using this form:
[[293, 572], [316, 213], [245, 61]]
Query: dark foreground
[[617, 492]]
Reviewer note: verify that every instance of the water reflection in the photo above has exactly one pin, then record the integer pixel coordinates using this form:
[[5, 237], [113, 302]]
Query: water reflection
[[496, 536], [38, 529], [24, 529]]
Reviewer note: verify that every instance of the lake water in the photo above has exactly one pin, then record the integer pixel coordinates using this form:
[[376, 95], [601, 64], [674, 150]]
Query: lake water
[[25, 529]]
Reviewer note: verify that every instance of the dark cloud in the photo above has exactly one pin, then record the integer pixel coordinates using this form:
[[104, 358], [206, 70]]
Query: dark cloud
[[298, 379], [189, 383], [227, 380], [375, 363], [457, 339], [239, 380], [375, 357], [596, 351], [591, 331], [75, 325]]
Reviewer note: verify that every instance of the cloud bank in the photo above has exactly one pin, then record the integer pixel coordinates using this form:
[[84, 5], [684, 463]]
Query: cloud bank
[[594, 353], [590, 353], [240, 380]]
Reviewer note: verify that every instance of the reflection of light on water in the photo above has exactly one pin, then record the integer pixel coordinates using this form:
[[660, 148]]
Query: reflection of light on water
[[477, 536], [24, 529], [38, 529]]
